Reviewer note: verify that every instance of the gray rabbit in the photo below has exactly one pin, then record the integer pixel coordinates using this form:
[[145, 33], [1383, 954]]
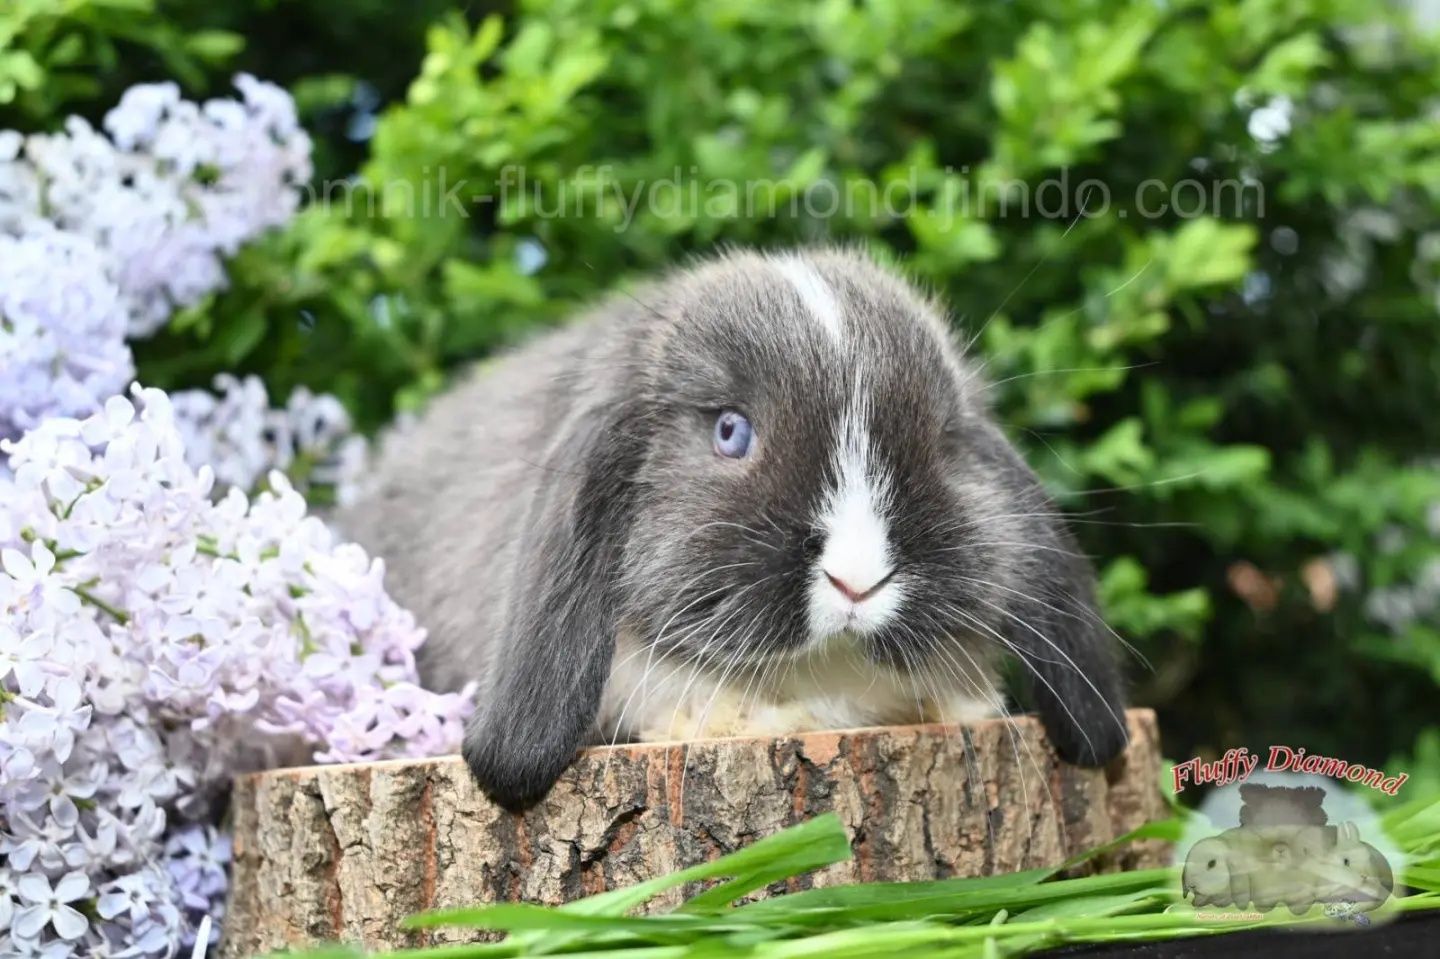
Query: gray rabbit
[[760, 495]]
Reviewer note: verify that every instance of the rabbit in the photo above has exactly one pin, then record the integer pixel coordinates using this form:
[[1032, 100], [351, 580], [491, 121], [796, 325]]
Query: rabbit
[[1207, 875], [1285, 861], [1355, 872], [761, 494], [1264, 865]]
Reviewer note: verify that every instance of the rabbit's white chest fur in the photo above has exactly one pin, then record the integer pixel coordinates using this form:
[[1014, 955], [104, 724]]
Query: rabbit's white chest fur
[[836, 687]]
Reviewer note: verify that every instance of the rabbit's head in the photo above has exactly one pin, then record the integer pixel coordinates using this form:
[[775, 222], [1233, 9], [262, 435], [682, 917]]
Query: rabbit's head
[[1206, 879]]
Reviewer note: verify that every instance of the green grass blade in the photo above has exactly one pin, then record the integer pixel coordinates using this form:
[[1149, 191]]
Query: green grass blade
[[1422, 878], [1171, 829], [946, 898], [1111, 905], [524, 917], [513, 945], [810, 845]]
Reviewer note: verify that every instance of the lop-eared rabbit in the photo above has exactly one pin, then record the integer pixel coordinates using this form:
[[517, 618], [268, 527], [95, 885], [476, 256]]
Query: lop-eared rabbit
[[760, 495]]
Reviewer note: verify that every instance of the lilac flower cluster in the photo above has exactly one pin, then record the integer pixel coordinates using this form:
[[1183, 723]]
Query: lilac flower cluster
[[105, 236], [242, 439], [62, 329], [153, 642], [173, 189]]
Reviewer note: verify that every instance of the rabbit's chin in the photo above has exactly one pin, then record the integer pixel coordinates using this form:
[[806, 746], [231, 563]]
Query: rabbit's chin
[[656, 699]]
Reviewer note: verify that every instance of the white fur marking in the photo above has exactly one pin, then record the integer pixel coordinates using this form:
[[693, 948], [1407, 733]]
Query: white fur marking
[[814, 292], [857, 547]]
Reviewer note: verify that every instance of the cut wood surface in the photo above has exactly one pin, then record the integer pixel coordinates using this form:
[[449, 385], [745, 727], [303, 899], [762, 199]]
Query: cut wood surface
[[328, 853]]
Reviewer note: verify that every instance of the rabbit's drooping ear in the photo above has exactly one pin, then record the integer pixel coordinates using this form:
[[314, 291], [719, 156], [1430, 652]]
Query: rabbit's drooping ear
[[1074, 678], [1053, 624], [554, 656]]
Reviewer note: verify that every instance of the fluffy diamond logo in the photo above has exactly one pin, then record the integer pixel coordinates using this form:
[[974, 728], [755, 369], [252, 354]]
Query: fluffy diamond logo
[[1295, 841]]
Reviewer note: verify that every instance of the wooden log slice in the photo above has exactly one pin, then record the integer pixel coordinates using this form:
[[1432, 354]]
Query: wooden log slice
[[328, 853]]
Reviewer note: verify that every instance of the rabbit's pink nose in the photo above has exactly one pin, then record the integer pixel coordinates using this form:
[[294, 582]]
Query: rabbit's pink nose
[[857, 594]]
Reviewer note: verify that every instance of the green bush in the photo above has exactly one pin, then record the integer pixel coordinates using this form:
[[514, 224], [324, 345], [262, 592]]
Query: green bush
[[55, 54], [339, 60], [1238, 408]]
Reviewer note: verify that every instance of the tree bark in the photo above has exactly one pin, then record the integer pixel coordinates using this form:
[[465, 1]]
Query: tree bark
[[344, 852]]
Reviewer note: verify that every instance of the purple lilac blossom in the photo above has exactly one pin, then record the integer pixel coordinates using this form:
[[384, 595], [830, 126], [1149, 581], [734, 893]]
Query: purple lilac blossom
[[173, 188], [160, 631], [105, 236], [154, 641], [236, 432]]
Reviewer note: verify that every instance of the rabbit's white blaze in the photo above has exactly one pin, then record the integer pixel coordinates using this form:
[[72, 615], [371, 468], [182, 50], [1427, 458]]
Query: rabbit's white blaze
[[814, 292], [850, 586]]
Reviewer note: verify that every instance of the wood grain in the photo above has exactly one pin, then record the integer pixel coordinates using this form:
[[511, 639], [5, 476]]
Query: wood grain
[[345, 852]]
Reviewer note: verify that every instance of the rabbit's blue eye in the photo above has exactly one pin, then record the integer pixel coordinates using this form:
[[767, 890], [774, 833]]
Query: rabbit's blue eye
[[733, 434]]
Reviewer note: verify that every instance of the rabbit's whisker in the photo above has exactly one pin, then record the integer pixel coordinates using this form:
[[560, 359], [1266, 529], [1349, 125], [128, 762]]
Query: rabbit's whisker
[[660, 635], [650, 648], [1026, 660], [1084, 613], [992, 384], [932, 644], [699, 658], [1015, 544], [990, 694], [1119, 722], [1081, 518]]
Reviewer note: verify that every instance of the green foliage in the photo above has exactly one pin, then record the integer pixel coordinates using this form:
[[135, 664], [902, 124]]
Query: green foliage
[[77, 56], [1006, 915], [52, 52], [1221, 352]]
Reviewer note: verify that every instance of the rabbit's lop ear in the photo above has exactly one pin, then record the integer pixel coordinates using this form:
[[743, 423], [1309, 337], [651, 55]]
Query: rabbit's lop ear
[[553, 658], [1054, 627], [1075, 680], [1049, 619]]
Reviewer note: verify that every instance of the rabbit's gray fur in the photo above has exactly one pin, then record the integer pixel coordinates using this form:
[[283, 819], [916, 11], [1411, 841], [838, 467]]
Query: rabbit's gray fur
[[565, 499]]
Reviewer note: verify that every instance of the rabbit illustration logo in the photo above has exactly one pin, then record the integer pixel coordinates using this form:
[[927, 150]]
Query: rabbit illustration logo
[[1284, 852]]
